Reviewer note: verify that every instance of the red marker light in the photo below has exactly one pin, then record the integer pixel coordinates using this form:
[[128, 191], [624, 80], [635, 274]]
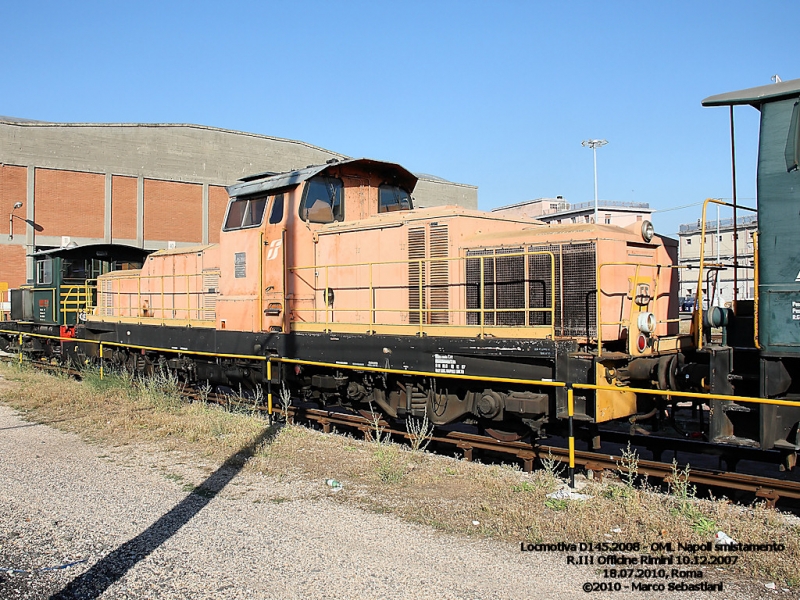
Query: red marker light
[[641, 343]]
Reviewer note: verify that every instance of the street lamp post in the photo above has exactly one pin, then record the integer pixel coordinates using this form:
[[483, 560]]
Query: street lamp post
[[594, 145], [11, 218]]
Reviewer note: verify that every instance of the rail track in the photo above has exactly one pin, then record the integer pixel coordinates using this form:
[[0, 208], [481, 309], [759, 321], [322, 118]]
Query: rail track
[[766, 488]]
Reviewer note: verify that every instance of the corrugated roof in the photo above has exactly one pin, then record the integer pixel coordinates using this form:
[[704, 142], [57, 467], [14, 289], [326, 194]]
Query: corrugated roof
[[756, 95]]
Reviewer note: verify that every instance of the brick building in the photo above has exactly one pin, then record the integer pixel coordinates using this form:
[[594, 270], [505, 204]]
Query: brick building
[[146, 185]]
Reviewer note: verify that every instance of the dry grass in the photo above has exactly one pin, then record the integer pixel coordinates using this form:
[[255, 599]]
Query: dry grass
[[445, 493]]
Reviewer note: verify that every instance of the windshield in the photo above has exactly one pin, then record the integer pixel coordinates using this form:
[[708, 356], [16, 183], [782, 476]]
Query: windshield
[[322, 200]]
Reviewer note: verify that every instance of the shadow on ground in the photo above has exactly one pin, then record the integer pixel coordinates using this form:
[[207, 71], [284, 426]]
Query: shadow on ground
[[113, 566]]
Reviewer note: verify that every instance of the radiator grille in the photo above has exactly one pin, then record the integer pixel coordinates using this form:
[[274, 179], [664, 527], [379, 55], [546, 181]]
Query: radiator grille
[[512, 282], [503, 286], [210, 294], [106, 297], [576, 267], [439, 275], [416, 275]]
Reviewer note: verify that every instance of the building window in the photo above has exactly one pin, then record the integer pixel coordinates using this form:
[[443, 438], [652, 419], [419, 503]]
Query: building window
[[554, 207], [688, 241], [608, 219], [587, 218], [638, 217], [574, 219], [720, 238]]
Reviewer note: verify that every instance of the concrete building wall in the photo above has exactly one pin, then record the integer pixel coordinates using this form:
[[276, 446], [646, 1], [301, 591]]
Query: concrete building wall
[[719, 244], [430, 192], [144, 185], [557, 210]]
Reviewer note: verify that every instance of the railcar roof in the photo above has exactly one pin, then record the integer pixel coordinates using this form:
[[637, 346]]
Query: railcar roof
[[119, 252], [756, 95], [264, 182]]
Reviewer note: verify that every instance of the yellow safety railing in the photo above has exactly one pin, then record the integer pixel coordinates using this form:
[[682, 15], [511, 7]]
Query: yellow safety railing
[[182, 293], [698, 315], [76, 299], [268, 360], [637, 266], [424, 286]]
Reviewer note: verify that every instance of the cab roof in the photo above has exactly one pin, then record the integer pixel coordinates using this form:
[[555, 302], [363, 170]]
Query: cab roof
[[757, 95], [265, 182]]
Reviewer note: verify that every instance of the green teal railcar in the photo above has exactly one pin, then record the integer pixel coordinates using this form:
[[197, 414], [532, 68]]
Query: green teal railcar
[[770, 323]]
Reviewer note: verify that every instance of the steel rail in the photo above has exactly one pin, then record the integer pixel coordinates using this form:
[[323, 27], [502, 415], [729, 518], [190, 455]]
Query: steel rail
[[765, 488]]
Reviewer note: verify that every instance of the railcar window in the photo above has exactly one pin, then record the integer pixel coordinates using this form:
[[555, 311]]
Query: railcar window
[[793, 141], [276, 214], [44, 271], [392, 198], [247, 212], [322, 200]]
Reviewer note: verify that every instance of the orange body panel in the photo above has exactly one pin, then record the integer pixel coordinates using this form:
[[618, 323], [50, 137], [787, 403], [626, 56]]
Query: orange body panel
[[399, 272]]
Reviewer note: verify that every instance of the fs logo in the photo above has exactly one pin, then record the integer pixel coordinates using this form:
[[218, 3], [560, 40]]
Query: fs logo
[[274, 247]]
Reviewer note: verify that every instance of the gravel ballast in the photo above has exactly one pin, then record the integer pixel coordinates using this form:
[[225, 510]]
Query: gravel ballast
[[141, 534]]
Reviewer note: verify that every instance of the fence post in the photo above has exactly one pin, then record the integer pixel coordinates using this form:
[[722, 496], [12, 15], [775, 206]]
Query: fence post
[[101, 360], [20, 348]]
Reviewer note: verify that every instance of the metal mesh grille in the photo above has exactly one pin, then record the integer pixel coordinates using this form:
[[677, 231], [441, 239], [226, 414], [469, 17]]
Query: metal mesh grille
[[576, 303], [473, 268], [510, 286], [505, 280], [503, 286]]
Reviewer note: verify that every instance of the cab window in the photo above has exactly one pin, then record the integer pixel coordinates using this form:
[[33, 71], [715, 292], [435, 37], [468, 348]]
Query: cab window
[[392, 198], [322, 200], [44, 271], [245, 212], [276, 212]]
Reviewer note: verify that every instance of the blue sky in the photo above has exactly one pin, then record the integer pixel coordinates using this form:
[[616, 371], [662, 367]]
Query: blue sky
[[495, 94]]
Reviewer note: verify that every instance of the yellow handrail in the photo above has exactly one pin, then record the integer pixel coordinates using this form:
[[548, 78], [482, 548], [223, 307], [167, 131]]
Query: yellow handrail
[[421, 285], [698, 315]]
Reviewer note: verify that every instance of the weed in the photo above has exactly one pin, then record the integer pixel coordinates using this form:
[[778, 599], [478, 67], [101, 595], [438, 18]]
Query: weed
[[551, 465], [377, 428], [628, 466], [679, 485], [203, 392], [279, 500], [555, 504], [420, 431], [390, 468], [286, 401], [617, 492], [174, 477], [525, 486]]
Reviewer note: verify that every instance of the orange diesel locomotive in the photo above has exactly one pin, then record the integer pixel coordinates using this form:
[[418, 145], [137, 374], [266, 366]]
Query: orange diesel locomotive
[[332, 264]]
